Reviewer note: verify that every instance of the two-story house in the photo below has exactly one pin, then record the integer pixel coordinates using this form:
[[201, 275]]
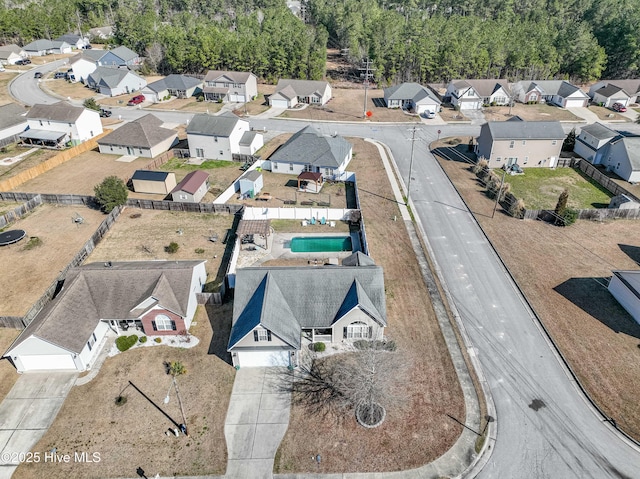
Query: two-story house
[[59, 123], [591, 140], [215, 137], [527, 143], [230, 86]]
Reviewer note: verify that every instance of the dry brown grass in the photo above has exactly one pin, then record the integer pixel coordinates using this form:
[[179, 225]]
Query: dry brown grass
[[133, 435], [539, 112], [416, 430], [8, 374], [5, 79], [33, 159], [65, 89], [563, 273], [27, 273], [187, 104], [607, 114]]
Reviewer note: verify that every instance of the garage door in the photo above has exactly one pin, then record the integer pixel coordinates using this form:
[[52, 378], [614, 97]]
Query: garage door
[[279, 103], [254, 359], [236, 98], [47, 362], [574, 103]]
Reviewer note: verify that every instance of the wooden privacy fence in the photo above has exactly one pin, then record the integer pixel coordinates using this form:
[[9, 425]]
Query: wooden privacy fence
[[589, 214], [18, 212], [14, 322], [602, 179], [190, 207], [62, 157], [209, 298]]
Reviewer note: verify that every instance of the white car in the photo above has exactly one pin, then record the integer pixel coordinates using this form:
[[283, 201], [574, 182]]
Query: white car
[[429, 114]]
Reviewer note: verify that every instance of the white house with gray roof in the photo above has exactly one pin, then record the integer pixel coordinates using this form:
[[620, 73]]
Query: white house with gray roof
[[84, 64], [120, 57], [473, 94], [622, 156], [156, 297], [309, 150], [559, 92], [10, 54], [289, 93], [74, 40], [277, 310], [229, 86], [143, 137], [177, 86], [13, 121], [114, 81], [626, 92], [56, 124], [251, 142], [412, 96], [591, 141], [527, 143], [215, 137]]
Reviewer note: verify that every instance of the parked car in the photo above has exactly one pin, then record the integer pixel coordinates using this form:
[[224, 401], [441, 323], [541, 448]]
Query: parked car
[[87, 47], [430, 114], [105, 113], [37, 75], [24, 61], [59, 75], [136, 100], [619, 107]]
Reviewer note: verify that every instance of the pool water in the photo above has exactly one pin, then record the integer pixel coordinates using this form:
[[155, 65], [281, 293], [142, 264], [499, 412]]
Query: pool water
[[318, 244]]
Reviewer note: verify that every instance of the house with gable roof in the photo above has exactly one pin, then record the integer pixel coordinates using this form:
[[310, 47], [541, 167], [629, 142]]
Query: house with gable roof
[[120, 57], [309, 150], [277, 309], [192, 188], [608, 92], [84, 64], [473, 94], [229, 86], [56, 124], [215, 137], [591, 141], [289, 93], [13, 121], [412, 96], [178, 86], [155, 297], [143, 137], [74, 40], [622, 156], [114, 81], [558, 92], [42, 47], [10, 54]]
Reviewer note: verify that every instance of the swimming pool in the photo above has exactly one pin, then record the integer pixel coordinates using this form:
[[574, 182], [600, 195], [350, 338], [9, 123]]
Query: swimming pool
[[319, 244]]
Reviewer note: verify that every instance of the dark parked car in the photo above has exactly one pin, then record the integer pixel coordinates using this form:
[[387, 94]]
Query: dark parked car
[[105, 113], [59, 75], [37, 75], [136, 100], [24, 61], [619, 107]]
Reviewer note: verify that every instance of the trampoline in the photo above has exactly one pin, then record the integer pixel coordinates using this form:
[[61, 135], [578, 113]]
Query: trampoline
[[10, 237]]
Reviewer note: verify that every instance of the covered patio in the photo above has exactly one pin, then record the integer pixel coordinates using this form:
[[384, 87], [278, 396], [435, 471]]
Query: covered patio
[[310, 181], [251, 230], [44, 138]]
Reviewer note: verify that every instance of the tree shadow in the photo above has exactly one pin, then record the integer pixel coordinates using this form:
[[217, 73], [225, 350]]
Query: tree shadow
[[632, 252], [220, 317], [592, 297]]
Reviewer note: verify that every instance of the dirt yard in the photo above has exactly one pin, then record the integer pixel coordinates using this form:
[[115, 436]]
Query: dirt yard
[[65, 89], [33, 159], [607, 114], [417, 429], [8, 374], [27, 273], [80, 174], [144, 237], [539, 112], [132, 435], [5, 79], [564, 274]]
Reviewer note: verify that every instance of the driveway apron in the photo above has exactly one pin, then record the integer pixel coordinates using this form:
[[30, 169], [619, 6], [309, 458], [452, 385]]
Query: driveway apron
[[256, 422], [27, 412]]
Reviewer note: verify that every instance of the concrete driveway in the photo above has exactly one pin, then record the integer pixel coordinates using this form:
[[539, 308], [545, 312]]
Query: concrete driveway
[[27, 412], [257, 419]]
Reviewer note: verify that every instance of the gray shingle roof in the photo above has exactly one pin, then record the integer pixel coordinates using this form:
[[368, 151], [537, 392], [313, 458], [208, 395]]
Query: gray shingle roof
[[303, 87], [108, 76], [561, 88], [610, 90], [38, 45], [124, 53], [220, 75], [174, 82], [220, 125], [525, 130], [93, 292], [61, 111], [90, 55], [144, 132], [11, 48], [11, 114], [70, 38], [247, 138], [308, 146], [631, 87], [252, 175], [599, 131], [632, 147], [286, 299], [408, 91], [358, 259]]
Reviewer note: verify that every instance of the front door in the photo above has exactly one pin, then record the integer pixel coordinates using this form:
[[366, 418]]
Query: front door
[[129, 151]]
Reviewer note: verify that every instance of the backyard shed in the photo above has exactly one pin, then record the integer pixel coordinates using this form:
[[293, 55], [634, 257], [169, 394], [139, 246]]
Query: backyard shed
[[625, 287], [250, 183], [158, 182], [192, 188]]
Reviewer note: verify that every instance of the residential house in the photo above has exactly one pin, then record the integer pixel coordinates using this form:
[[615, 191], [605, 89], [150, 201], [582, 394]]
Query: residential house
[[102, 33], [13, 121], [215, 137], [625, 287], [57, 124], [153, 182], [192, 188], [143, 137], [527, 143], [120, 57], [60, 47], [279, 310], [74, 40], [250, 142], [38, 48], [558, 92], [631, 89], [10, 54], [473, 94], [289, 93], [156, 297], [178, 86], [411, 96], [114, 81], [610, 94], [622, 156], [309, 150], [250, 183], [84, 64], [230, 86], [591, 140]]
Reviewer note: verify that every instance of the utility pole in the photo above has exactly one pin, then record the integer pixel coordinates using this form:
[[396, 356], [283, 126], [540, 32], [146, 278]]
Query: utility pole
[[495, 206], [412, 140], [368, 73]]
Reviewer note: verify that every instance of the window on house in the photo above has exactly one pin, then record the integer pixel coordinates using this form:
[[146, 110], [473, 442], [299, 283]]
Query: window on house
[[499, 158], [164, 323], [200, 152], [358, 330], [111, 147], [526, 159], [290, 166], [92, 341], [40, 122], [221, 153], [140, 149], [617, 166], [183, 197], [512, 143], [215, 138], [261, 335], [274, 166], [524, 142], [308, 168], [69, 125], [554, 142]]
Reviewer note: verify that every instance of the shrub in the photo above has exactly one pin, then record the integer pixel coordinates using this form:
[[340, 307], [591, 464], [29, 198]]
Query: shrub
[[199, 250], [33, 242], [363, 344], [568, 217], [158, 340], [172, 248], [319, 347], [110, 193], [121, 400], [125, 342], [143, 339], [516, 208]]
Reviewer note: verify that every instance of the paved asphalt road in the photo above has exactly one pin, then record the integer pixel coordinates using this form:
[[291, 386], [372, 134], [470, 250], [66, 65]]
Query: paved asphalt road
[[545, 427]]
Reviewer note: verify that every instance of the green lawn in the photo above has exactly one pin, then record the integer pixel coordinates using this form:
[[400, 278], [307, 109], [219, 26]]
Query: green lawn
[[540, 188]]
